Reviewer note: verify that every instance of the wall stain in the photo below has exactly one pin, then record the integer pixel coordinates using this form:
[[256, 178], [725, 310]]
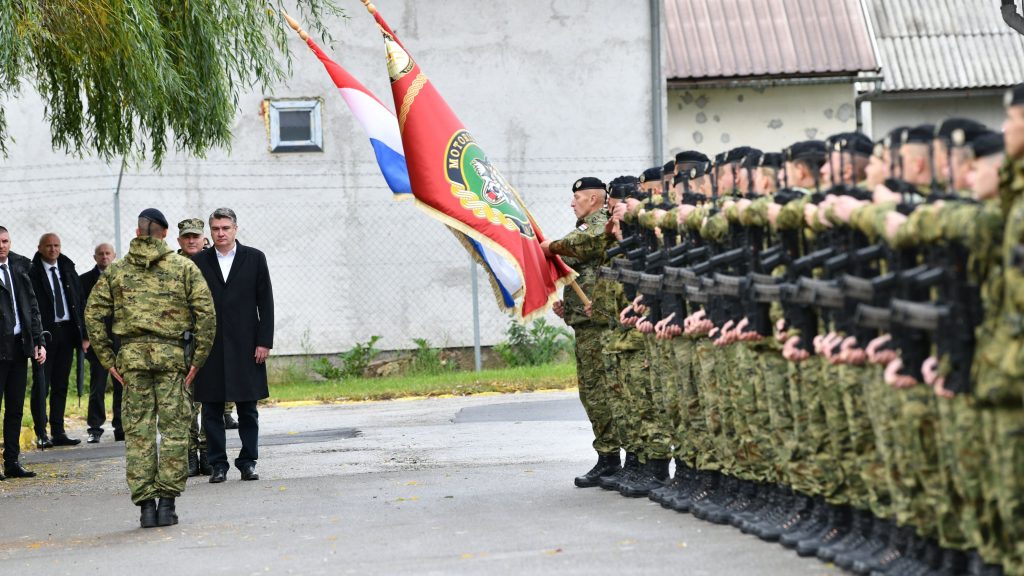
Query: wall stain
[[702, 118], [702, 101], [811, 133], [698, 137], [845, 112], [829, 113], [775, 123], [726, 138]]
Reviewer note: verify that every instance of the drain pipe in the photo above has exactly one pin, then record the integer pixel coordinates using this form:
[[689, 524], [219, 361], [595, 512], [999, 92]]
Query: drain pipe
[[859, 103], [657, 85], [1012, 18]]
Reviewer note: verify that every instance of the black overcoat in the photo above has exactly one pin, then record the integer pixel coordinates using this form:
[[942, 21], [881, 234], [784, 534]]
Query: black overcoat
[[28, 311], [245, 319]]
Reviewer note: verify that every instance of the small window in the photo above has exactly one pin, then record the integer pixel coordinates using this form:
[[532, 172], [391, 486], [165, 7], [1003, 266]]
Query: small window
[[295, 125]]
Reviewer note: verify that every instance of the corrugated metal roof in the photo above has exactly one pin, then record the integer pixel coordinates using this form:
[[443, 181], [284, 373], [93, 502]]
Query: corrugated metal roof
[[713, 39], [945, 45]]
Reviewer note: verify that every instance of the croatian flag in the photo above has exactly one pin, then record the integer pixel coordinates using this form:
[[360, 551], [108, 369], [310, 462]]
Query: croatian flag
[[381, 126]]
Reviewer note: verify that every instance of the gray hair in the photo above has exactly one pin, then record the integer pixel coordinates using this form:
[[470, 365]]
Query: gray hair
[[223, 213]]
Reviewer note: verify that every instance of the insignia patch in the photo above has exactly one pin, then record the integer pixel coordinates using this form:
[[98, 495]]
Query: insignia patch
[[481, 188], [399, 61], [582, 227], [577, 185]]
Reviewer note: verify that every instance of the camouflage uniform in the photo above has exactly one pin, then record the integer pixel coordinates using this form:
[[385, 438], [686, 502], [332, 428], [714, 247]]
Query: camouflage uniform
[[584, 250], [154, 296]]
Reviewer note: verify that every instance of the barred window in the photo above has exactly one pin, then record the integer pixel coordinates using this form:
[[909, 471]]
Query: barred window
[[294, 125]]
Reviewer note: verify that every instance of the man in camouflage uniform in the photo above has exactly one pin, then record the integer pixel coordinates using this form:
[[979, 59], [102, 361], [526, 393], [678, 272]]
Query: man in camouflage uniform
[[584, 250], [155, 297], [190, 240]]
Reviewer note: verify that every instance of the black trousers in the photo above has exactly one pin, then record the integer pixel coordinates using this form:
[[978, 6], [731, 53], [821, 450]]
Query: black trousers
[[60, 354], [98, 377], [248, 433], [13, 380]]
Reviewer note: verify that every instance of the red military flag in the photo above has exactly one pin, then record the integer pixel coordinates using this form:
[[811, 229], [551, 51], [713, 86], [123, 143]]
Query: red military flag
[[454, 182]]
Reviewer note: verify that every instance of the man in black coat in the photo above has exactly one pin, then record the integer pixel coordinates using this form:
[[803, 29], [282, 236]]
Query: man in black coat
[[59, 293], [98, 375], [21, 338], [236, 369]]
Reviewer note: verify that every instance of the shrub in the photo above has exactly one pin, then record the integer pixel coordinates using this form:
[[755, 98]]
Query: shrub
[[541, 343]]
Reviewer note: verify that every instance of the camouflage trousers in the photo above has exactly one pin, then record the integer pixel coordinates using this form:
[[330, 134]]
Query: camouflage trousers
[[155, 402], [876, 464], [691, 429], [625, 373], [917, 457], [657, 422], [717, 453], [781, 437], [595, 393], [1003, 430], [753, 421]]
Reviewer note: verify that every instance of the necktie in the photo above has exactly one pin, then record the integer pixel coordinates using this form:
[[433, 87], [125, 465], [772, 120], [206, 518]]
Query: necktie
[[7, 283], [58, 294]]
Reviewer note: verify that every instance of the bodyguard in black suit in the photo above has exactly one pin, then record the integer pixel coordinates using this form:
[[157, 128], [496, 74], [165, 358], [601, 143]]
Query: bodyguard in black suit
[[98, 375], [59, 291], [21, 338], [236, 369]]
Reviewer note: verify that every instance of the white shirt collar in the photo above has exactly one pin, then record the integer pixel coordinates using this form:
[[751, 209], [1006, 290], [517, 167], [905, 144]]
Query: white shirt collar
[[230, 253]]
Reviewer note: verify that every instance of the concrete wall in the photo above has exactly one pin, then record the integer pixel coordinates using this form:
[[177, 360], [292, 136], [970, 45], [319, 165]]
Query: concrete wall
[[715, 120], [884, 115], [549, 89]]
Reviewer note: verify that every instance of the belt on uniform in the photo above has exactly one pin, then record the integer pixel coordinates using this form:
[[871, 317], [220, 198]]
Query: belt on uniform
[[152, 340]]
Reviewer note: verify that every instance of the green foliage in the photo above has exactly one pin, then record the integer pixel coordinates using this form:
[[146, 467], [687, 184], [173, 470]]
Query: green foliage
[[123, 77], [351, 364], [429, 360], [541, 343]]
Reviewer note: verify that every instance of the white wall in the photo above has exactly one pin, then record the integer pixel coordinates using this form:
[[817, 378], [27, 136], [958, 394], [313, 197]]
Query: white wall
[[549, 88], [715, 120], [889, 114]]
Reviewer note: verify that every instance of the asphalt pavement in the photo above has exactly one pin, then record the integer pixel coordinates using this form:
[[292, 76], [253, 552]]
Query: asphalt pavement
[[474, 485]]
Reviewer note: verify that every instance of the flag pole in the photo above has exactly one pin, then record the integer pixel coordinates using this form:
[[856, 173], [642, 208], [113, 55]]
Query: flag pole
[[576, 287], [295, 26]]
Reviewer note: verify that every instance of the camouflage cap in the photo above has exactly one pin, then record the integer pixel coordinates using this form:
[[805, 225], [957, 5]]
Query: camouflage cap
[[190, 226]]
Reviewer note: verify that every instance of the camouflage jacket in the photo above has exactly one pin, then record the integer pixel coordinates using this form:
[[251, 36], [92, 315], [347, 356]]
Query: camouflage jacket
[[584, 250], [154, 296]]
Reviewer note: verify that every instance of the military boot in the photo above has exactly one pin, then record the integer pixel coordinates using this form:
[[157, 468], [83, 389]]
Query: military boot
[[704, 488], [678, 478], [800, 509], [780, 501], [683, 486], [838, 526], [746, 495], [147, 519], [817, 520], [976, 566], [875, 546], [762, 499], [606, 464], [952, 563], [165, 514], [193, 463], [860, 528], [611, 481], [899, 545], [204, 464], [654, 475], [727, 491]]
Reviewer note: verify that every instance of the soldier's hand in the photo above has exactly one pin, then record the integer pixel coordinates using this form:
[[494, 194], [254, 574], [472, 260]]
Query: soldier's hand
[[116, 375], [773, 212], [893, 221], [930, 370], [40, 355], [261, 354], [192, 371], [545, 246], [558, 308]]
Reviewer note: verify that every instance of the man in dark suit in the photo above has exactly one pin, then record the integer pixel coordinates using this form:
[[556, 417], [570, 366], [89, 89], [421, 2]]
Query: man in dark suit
[[56, 284], [236, 369], [104, 256], [21, 338]]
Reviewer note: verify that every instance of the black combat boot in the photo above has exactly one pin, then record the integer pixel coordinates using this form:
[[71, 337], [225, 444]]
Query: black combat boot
[[746, 495], [762, 500], [900, 544], [800, 509], [148, 517], [860, 528], [204, 464], [875, 545], [817, 520], [655, 474], [193, 463], [839, 524], [165, 514], [611, 481], [704, 488], [606, 464], [952, 563], [780, 501], [726, 492], [678, 479], [976, 566]]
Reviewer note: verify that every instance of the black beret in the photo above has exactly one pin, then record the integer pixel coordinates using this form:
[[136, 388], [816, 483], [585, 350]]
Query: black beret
[[668, 168], [739, 154], [853, 142], [588, 183], [690, 156], [156, 216], [807, 150], [720, 158], [772, 160], [651, 174], [752, 159], [623, 186], [987, 144], [1014, 96], [922, 134], [895, 137], [960, 131]]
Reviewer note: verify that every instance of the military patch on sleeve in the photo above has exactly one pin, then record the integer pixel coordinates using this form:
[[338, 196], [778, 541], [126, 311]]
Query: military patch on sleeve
[[582, 227]]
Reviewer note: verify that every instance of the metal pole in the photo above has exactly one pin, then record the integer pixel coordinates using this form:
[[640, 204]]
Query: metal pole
[[476, 315], [656, 83], [117, 210]]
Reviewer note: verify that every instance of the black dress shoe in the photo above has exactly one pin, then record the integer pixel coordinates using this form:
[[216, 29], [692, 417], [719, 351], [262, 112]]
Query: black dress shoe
[[230, 423], [94, 438], [63, 440], [147, 519], [165, 514], [249, 472], [219, 475], [43, 442], [14, 470]]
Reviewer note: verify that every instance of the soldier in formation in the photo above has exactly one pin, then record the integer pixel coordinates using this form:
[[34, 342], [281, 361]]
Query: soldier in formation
[[827, 340]]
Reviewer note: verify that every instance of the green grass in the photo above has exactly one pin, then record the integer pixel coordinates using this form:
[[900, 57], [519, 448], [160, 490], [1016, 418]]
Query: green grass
[[523, 379]]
